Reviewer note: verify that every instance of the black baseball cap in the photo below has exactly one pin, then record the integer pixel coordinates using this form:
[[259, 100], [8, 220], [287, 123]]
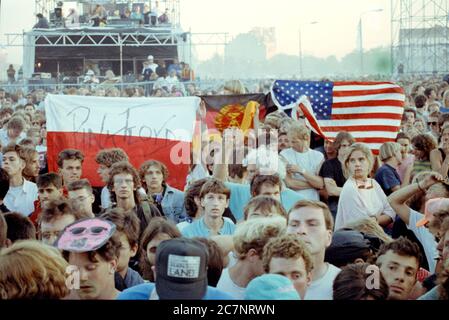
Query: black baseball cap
[[181, 269], [347, 245]]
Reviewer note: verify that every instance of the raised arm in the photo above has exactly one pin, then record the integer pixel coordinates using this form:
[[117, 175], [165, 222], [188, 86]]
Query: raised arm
[[399, 198]]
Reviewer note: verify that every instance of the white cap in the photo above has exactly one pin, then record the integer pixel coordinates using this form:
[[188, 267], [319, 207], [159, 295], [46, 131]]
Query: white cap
[[90, 72], [150, 57]]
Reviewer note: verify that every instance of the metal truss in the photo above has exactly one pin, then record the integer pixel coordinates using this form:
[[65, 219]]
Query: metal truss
[[108, 39], [420, 36], [93, 39]]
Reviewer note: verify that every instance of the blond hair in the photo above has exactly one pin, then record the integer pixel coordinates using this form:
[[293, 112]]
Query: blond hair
[[31, 269], [365, 150], [255, 233], [371, 227], [388, 150], [298, 130]]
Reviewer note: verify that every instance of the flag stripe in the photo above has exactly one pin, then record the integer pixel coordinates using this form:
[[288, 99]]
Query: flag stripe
[[366, 92], [377, 97], [139, 150], [392, 103], [367, 134], [351, 116], [349, 128], [358, 83], [375, 140], [308, 113], [362, 87], [368, 110], [357, 122]]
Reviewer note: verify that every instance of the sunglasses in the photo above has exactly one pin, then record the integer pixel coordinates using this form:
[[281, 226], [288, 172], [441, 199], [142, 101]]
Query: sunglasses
[[432, 123], [364, 186], [93, 230]]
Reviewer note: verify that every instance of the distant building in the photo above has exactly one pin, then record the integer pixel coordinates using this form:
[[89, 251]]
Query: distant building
[[268, 37]]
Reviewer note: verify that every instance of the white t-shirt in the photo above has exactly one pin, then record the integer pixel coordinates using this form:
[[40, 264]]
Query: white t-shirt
[[310, 161], [226, 284], [322, 289], [425, 237], [21, 199], [105, 198]]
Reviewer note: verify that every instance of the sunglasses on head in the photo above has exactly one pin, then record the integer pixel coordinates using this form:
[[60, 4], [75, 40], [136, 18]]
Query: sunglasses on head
[[92, 230]]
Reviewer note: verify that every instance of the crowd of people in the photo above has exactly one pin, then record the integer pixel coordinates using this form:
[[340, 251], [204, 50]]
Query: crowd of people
[[302, 222], [145, 13]]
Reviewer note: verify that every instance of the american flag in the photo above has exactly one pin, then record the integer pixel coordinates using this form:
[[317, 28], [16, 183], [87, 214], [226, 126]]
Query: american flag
[[370, 111]]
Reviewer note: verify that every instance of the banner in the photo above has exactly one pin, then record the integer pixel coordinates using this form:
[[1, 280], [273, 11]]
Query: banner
[[145, 128]]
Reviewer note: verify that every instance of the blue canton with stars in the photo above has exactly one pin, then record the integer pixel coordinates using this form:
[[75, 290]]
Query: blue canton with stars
[[319, 93]]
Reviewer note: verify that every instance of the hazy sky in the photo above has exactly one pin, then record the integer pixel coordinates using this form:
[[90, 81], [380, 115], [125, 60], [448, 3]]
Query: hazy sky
[[334, 34]]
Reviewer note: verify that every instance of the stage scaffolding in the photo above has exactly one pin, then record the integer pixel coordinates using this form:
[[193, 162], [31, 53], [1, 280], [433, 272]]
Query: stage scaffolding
[[419, 36]]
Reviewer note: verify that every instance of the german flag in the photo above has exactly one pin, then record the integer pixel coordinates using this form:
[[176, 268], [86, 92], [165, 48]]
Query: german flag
[[227, 111]]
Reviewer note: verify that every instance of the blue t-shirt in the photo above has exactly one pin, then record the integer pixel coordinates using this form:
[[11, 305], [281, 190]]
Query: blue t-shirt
[[143, 292], [198, 228], [241, 194], [388, 178]]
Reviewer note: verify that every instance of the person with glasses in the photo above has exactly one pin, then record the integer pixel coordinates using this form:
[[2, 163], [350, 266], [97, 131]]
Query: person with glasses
[[438, 157], [434, 124], [362, 196], [123, 184]]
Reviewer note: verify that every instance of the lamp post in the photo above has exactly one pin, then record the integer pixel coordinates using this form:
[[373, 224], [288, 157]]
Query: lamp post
[[362, 66], [300, 48]]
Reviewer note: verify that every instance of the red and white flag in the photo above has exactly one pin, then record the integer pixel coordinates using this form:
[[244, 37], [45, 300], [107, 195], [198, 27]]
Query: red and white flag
[[146, 128]]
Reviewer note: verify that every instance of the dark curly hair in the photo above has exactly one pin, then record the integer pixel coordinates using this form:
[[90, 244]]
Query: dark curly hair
[[425, 143], [189, 196], [403, 247]]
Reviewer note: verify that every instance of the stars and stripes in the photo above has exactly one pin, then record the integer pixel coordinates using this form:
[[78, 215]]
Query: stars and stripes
[[370, 111]]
